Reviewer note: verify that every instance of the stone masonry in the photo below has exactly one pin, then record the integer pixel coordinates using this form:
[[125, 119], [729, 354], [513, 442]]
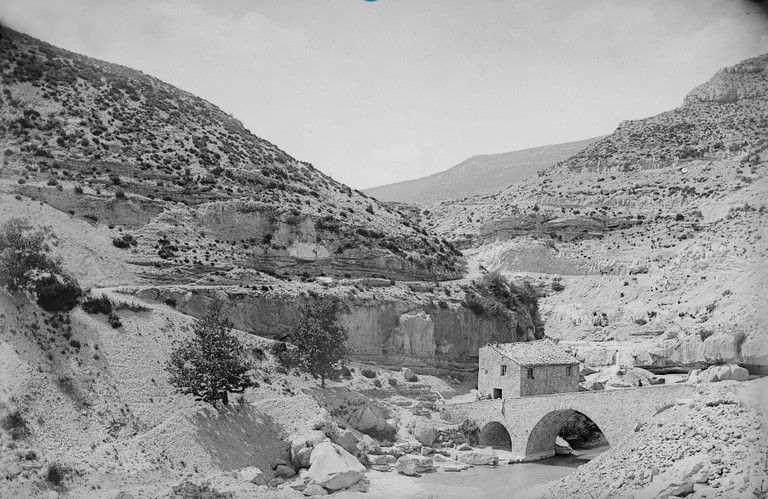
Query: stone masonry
[[534, 422]]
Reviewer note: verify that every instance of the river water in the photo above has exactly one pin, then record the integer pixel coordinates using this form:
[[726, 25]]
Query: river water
[[479, 482]]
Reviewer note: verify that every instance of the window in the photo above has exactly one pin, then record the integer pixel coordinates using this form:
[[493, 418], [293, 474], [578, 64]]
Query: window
[[485, 371], [569, 370], [503, 370], [497, 393], [530, 373]]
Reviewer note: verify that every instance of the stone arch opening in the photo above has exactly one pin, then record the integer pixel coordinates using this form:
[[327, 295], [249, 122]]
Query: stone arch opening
[[494, 434], [541, 441], [581, 432]]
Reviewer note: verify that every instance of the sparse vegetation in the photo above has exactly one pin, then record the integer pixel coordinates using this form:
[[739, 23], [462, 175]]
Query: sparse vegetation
[[26, 265], [16, 425]]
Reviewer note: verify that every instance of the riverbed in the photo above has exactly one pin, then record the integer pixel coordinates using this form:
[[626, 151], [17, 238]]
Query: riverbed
[[503, 481]]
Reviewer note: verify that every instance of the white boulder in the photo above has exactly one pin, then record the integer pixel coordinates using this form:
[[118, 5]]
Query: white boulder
[[334, 468]]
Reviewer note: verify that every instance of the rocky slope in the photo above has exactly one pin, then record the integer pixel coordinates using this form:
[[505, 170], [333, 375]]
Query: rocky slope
[[654, 236], [712, 445], [197, 191], [482, 174]]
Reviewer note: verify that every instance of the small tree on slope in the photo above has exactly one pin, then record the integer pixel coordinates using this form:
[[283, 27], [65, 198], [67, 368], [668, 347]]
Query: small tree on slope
[[212, 363], [321, 345]]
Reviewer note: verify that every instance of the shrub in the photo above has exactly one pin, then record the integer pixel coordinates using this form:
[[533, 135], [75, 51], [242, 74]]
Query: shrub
[[100, 305], [114, 320], [119, 194], [212, 363], [368, 373], [56, 474], [557, 286], [470, 430], [16, 425], [57, 292]]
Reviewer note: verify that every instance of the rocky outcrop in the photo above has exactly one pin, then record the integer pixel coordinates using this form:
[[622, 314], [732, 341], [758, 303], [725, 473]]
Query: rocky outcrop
[[407, 329], [413, 335], [678, 480]]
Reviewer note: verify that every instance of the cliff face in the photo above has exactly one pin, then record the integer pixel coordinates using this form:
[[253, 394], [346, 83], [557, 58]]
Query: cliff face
[[390, 326]]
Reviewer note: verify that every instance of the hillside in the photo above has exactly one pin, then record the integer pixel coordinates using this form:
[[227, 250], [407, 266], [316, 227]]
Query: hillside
[[482, 174], [653, 237], [197, 191]]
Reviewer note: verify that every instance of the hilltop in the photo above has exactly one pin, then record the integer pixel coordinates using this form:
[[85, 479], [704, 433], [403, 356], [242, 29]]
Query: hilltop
[[197, 191], [653, 237], [481, 174]]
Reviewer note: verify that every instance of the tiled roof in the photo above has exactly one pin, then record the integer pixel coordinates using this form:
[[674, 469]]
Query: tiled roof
[[535, 353]]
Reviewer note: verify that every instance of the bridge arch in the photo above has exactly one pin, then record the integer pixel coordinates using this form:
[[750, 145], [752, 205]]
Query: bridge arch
[[495, 434], [541, 438]]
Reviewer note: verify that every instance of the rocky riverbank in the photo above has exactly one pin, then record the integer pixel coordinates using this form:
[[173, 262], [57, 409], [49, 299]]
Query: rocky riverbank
[[711, 445]]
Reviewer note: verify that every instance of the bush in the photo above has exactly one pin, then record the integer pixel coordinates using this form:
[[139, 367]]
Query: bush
[[114, 320], [125, 241], [16, 425], [705, 333], [100, 305], [57, 292], [212, 363], [470, 430], [368, 373], [557, 286], [56, 474], [26, 265]]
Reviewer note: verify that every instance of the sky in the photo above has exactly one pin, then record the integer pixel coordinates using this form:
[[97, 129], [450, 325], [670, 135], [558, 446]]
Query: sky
[[374, 92]]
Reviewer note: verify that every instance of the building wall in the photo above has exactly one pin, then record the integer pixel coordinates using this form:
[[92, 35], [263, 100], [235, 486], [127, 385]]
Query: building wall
[[548, 380], [489, 374]]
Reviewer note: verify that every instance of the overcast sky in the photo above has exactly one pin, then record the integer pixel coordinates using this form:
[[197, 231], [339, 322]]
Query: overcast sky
[[378, 92]]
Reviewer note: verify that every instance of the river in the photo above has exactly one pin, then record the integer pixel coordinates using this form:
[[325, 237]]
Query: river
[[504, 481]]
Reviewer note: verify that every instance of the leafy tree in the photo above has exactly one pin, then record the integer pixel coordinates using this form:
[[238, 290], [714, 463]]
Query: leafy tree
[[26, 265], [212, 363], [321, 344]]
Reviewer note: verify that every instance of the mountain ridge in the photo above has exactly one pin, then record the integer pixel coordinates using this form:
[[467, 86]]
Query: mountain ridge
[[479, 174]]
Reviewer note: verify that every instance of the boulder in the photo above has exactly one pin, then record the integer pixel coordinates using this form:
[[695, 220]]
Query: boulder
[[272, 484], [425, 451], [587, 370], [596, 356], [253, 475], [302, 445], [368, 445], [314, 490], [485, 456], [715, 373], [409, 375], [425, 433], [693, 376], [738, 373], [594, 384], [678, 480], [413, 465], [381, 459], [333, 467], [562, 447], [368, 417], [346, 440], [283, 471], [463, 447], [637, 376]]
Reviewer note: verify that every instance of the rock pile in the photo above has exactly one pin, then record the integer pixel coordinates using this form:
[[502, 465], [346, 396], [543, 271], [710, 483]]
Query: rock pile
[[714, 446], [718, 373]]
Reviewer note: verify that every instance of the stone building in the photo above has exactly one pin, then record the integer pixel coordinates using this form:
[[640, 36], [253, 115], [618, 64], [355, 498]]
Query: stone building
[[523, 369]]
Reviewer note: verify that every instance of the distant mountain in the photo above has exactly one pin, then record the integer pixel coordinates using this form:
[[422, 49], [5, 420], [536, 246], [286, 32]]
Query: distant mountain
[[481, 174]]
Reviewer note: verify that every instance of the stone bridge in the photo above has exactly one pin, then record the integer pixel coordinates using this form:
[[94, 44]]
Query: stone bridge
[[529, 425]]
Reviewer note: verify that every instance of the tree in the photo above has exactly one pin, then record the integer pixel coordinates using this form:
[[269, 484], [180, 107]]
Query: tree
[[212, 363], [321, 345], [26, 265]]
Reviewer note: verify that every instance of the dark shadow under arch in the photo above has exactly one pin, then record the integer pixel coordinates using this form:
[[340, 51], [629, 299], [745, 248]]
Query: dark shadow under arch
[[541, 441], [494, 434]]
